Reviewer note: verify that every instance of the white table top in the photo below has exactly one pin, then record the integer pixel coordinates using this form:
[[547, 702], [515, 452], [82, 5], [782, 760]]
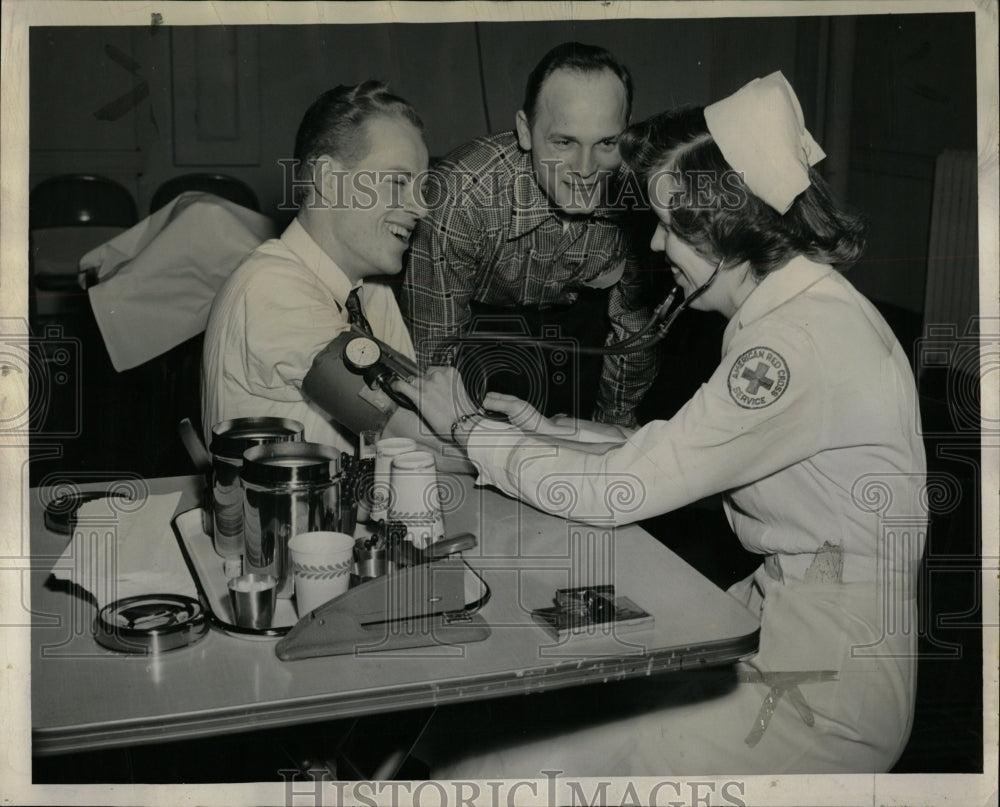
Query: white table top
[[86, 697]]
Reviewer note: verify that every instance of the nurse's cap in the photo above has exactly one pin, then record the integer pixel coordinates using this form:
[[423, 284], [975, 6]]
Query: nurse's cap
[[761, 132]]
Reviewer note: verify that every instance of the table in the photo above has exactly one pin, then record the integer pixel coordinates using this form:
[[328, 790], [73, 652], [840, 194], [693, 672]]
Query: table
[[84, 697]]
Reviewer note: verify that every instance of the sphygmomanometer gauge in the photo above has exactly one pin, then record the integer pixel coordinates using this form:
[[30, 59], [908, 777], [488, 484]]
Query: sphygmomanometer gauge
[[362, 353]]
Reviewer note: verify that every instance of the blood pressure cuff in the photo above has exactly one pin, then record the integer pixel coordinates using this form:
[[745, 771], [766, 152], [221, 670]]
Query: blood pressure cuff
[[343, 393]]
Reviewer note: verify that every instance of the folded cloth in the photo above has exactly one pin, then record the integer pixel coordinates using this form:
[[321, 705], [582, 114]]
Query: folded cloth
[[120, 550], [156, 281]]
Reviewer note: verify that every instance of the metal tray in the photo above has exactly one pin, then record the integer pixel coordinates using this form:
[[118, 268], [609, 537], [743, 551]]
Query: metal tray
[[207, 569]]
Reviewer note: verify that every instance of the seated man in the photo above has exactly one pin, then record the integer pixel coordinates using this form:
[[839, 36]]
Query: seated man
[[524, 237], [359, 155]]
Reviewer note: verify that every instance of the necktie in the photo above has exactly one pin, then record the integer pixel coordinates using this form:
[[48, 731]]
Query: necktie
[[354, 313]]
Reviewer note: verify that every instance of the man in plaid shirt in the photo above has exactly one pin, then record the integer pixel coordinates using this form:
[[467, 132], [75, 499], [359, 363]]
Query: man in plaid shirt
[[524, 237]]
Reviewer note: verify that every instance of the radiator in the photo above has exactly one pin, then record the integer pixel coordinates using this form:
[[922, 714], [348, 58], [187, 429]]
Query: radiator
[[952, 296]]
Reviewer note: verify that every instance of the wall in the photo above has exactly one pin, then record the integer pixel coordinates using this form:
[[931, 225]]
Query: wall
[[145, 104], [229, 100], [914, 97], [78, 119]]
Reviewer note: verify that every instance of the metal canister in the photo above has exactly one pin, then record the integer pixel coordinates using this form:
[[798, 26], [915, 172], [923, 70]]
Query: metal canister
[[288, 488], [229, 440]]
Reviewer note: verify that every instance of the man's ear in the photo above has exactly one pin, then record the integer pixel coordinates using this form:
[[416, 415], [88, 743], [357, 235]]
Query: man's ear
[[523, 130], [328, 177]]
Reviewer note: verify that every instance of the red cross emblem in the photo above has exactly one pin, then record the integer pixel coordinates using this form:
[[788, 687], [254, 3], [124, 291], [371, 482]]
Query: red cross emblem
[[757, 378]]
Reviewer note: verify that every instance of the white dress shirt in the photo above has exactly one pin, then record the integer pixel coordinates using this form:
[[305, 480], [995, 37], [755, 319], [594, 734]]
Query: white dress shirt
[[276, 312]]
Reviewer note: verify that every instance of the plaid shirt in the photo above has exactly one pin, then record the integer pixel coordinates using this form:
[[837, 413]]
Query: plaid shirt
[[493, 238]]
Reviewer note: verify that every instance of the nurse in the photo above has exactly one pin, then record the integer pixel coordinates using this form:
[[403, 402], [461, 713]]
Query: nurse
[[809, 427]]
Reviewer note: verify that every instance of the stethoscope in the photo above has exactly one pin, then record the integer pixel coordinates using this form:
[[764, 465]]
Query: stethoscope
[[659, 324]]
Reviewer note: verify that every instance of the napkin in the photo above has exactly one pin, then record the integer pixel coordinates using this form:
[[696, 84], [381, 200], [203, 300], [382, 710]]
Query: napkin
[[124, 548]]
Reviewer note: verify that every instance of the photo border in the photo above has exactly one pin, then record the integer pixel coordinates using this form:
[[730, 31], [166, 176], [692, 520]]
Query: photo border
[[19, 15]]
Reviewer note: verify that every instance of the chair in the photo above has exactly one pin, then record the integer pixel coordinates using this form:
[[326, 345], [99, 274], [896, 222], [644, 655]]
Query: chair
[[235, 190], [68, 216], [82, 200]]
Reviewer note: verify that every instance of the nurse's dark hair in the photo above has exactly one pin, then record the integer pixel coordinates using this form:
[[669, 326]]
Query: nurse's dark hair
[[334, 125], [720, 217], [581, 58]]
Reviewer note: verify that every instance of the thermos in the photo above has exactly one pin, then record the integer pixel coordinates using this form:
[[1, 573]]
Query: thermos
[[230, 439], [288, 488]]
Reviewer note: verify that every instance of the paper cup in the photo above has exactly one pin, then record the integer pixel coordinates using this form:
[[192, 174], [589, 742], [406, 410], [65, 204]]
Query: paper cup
[[415, 499], [385, 450], [321, 562]]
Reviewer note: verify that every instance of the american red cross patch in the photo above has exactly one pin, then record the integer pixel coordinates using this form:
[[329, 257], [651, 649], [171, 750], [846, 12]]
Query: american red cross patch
[[758, 378]]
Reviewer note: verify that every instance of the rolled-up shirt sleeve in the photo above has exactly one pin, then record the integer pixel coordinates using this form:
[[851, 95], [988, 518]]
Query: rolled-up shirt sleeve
[[626, 377]]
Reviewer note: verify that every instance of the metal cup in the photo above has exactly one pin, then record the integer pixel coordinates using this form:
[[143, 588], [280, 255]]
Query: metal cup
[[252, 597], [371, 563]]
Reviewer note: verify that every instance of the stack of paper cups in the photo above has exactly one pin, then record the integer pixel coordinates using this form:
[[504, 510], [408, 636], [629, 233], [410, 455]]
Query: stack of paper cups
[[385, 450], [415, 498]]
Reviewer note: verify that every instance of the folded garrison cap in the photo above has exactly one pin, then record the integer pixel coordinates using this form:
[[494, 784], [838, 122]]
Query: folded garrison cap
[[761, 133]]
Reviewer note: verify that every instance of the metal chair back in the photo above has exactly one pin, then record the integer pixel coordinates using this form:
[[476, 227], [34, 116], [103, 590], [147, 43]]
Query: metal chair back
[[80, 200], [235, 190]]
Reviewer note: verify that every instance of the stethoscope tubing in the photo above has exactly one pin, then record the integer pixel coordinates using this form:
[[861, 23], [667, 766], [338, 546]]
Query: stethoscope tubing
[[630, 344]]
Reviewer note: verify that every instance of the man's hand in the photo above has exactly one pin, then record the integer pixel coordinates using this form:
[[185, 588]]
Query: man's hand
[[441, 397]]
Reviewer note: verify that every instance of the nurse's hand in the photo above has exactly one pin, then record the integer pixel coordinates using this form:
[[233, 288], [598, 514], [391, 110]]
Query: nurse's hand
[[521, 413], [441, 397]]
